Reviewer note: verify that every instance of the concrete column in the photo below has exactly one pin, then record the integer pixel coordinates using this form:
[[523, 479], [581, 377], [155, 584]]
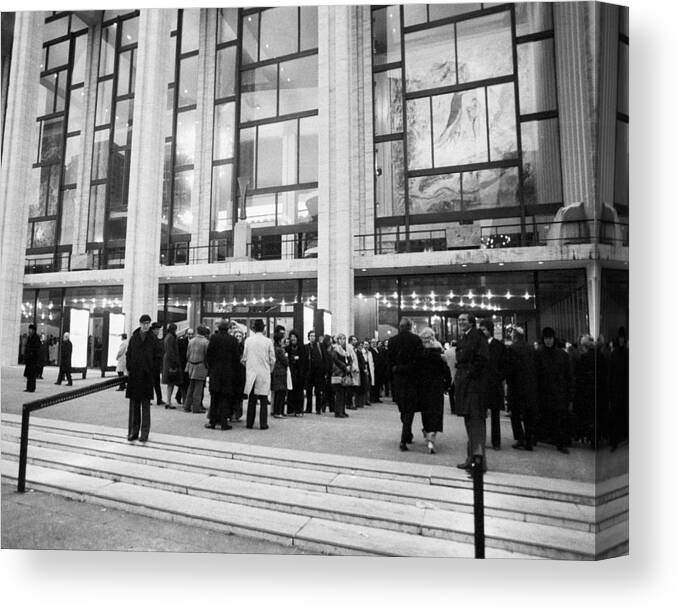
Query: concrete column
[[576, 35], [340, 156], [140, 292], [19, 153], [593, 289]]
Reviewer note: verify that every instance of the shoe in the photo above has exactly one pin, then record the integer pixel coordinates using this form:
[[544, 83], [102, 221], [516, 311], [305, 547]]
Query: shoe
[[57, 383], [227, 427], [69, 384], [131, 438], [528, 448], [431, 448], [378, 401], [518, 446], [404, 447], [161, 402], [276, 416], [186, 410], [496, 447], [249, 427], [143, 439], [263, 427], [283, 415], [119, 390], [564, 450], [202, 410], [211, 426], [169, 406], [464, 466]]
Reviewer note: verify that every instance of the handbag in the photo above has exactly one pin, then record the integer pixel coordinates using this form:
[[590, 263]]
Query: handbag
[[347, 380]]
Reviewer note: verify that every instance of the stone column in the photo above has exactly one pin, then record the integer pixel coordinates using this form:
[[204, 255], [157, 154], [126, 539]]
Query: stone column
[[340, 156], [593, 290], [140, 292], [18, 154]]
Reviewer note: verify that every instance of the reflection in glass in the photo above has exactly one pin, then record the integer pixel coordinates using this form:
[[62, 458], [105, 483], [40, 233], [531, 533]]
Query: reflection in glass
[[390, 179], [103, 112], [459, 128], [247, 153], [49, 191], [623, 79], [224, 120], [227, 24], [419, 134], [117, 228], [72, 159], [44, 233], [532, 17], [61, 91], [299, 85], [182, 215], [386, 35], [55, 29], [309, 27], [46, 94], [261, 209], [78, 71], [541, 162], [97, 207], [75, 107], [52, 140], [502, 114], [185, 145], [536, 76], [222, 198], [107, 52], [490, 188], [190, 27], [119, 179], [100, 155], [130, 31], [621, 165], [123, 122], [124, 60], [188, 81], [278, 32], [414, 14], [441, 11], [277, 154], [388, 102], [258, 93], [225, 86], [57, 54], [429, 58], [250, 38], [484, 47], [67, 213], [308, 149], [435, 194]]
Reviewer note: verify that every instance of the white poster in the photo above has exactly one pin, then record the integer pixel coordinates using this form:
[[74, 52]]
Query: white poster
[[116, 326], [327, 322], [308, 320], [79, 329]]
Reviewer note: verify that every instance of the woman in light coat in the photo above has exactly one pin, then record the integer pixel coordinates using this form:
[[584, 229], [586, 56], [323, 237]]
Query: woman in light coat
[[196, 370], [121, 358]]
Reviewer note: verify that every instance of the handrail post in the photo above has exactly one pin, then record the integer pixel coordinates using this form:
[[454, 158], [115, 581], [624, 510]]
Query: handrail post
[[23, 450], [478, 506]]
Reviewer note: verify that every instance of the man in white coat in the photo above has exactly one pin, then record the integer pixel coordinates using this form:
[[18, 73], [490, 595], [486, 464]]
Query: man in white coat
[[259, 359]]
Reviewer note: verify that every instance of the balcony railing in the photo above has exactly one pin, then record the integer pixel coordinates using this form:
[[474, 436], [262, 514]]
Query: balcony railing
[[508, 235], [283, 247], [48, 264], [183, 254]]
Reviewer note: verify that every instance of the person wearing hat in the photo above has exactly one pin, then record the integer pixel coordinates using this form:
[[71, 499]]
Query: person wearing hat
[[32, 358], [223, 363], [196, 370], [554, 384], [521, 389], [144, 358], [155, 329]]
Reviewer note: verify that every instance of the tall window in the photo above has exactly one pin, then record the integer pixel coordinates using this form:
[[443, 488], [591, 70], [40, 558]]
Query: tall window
[[114, 115], [621, 173], [465, 117], [59, 120]]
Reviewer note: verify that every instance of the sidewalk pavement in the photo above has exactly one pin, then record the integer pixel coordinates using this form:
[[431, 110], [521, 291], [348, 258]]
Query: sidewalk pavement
[[372, 432]]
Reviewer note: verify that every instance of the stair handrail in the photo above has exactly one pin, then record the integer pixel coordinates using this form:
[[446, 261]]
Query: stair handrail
[[36, 405]]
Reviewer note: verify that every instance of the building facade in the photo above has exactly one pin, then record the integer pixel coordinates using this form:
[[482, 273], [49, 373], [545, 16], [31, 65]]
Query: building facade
[[371, 162]]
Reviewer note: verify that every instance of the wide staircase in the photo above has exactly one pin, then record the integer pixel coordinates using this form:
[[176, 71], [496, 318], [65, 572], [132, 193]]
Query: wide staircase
[[320, 503]]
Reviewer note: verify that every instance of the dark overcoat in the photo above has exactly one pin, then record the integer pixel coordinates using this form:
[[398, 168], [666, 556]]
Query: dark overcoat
[[65, 355], [223, 363], [405, 351], [171, 361], [434, 380], [32, 356], [279, 373], [296, 359], [496, 372], [521, 377], [471, 377], [554, 379], [144, 359]]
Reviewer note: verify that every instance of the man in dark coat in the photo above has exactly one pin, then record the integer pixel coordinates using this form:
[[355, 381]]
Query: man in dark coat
[[405, 351], [619, 391], [65, 354], [470, 387], [182, 346], [155, 329], [223, 363], [314, 373], [521, 386], [31, 358], [144, 359], [495, 380], [554, 383]]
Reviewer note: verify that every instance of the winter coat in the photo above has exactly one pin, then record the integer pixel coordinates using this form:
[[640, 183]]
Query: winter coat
[[405, 351], [355, 364], [470, 380], [495, 374], [521, 377], [144, 358], [66, 354], [296, 362], [223, 362], [171, 363], [433, 381], [195, 358], [279, 374], [259, 360], [371, 368], [554, 379], [341, 364], [121, 357], [32, 356]]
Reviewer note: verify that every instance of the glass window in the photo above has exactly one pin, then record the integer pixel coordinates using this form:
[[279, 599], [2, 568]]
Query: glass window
[[621, 166], [308, 149], [67, 215], [119, 179], [623, 20], [250, 38], [117, 229], [185, 148], [532, 17], [222, 197], [248, 154], [536, 76], [388, 102], [419, 134], [563, 302], [278, 32], [104, 94], [122, 136], [72, 159], [386, 35], [52, 140], [277, 154], [183, 305], [258, 93], [100, 155], [298, 206], [44, 233], [501, 111], [484, 47], [190, 29], [459, 128], [77, 24], [107, 52], [75, 108], [182, 215], [299, 85], [78, 71], [169, 113], [390, 178], [49, 192], [47, 93], [55, 29], [541, 162], [490, 188], [61, 91], [430, 59], [623, 79], [188, 81], [414, 14], [309, 27], [97, 207], [224, 130], [261, 209], [227, 25], [57, 54], [130, 31], [125, 64], [441, 11], [225, 85], [376, 316], [435, 194]]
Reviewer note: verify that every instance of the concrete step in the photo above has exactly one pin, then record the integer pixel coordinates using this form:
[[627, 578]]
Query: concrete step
[[510, 535], [520, 508], [309, 533]]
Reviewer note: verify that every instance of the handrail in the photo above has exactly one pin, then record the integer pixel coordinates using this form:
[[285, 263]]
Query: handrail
[[55, 399]]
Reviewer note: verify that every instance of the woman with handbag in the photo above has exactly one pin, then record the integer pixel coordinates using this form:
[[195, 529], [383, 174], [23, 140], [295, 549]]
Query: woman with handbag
[[342, 378], [295, 380], [279, 375], [171, 364]]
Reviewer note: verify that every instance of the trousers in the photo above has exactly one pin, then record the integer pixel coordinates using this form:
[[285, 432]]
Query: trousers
[[139, 423]]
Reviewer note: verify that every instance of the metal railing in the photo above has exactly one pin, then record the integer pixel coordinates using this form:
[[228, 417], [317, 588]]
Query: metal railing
[[283, 247], [36, 405], [502, 235], [47, 264], [183, 254]]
